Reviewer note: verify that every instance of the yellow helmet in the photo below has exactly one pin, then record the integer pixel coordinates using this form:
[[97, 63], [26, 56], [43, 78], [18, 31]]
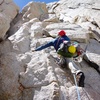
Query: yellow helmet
[[72, 49]]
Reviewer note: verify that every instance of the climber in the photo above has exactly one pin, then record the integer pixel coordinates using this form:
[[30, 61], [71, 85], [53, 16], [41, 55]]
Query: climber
[[65, 60], [56, 42], [70, 51]]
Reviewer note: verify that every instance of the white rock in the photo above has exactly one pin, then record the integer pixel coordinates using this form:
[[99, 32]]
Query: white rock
[[35, 75], [34, 10]]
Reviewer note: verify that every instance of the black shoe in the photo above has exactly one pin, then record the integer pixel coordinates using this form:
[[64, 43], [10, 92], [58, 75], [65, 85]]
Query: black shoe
[[81, 79]]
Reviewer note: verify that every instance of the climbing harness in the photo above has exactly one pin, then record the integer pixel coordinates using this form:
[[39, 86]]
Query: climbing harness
[[78, 94]]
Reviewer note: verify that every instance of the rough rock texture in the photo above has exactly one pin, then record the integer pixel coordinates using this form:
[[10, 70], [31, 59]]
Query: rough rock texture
[[8, 11], [82, 12], [34, 9], [27, 75]]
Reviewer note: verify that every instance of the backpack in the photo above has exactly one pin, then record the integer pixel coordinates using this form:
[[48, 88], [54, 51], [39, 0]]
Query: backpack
[[63, 50]]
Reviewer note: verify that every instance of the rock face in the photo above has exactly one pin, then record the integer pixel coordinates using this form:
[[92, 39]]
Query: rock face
[[35, 10], [82, 12], [8, 10], [27, 75]]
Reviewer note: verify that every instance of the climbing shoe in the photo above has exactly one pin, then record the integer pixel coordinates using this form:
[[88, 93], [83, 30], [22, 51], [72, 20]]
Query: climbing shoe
[[80, 79]]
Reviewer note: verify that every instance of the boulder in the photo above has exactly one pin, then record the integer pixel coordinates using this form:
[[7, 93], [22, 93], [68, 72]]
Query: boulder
[[8, 11], [34, 10]]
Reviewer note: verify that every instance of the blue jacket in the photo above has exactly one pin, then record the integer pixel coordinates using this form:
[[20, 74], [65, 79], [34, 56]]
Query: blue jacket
[[55, 43]]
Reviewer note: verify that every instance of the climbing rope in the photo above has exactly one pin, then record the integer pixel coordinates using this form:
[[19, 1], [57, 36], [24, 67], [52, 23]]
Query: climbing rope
[[86, 94], [78, 94]]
